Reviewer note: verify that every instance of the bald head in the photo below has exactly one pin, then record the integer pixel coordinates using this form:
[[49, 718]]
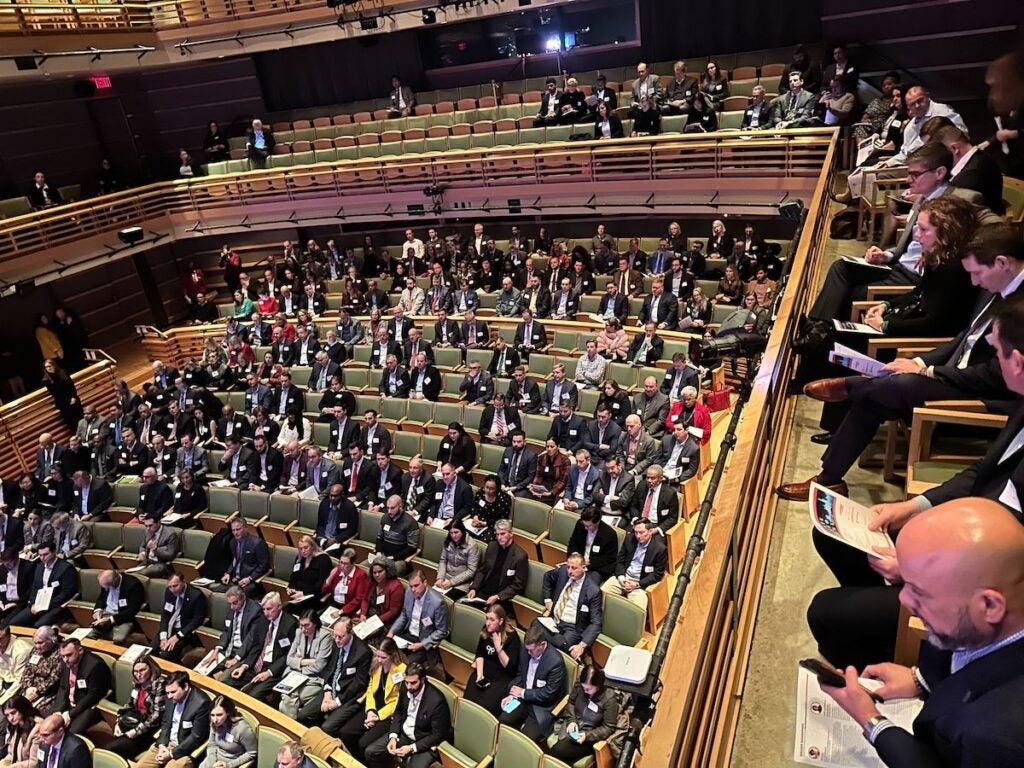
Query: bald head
[[963, 570]]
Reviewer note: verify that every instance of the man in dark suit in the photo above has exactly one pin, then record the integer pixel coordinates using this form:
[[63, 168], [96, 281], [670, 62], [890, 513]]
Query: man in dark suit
[[596, 541], [474, 333], [601, 436], [57, 576], [12, 531], [184, 611], [424, 380], [416, 344], [453, 498], [120, 599], [518, 464], [548, 113], [259, 144], [41, 194], [304, 348], [971, 671], [572, 598], [501, 581], [418, 490], [235, 463], [373, 437], [659, 308], [579, 490], [613, 304], [321, 472], [680, 375], [344, 681], [559, 391], [47, 453], [337, 519], [523, 392], [20, 573], [399, 325], [998, 476], [431, 724], [965, 367], [265, 466], [657, 503], [973, 168], [185, 726], [312, 301], [797, 108], [477, 387], [250, 560], [323, 369], [259, 678], [642, 563], [281, 349], [403, 100], [567, 430], [343, 431], [287, 397], [355, 471], [530, 335], [680, 454], [539, 685], [565, 302], [758, 114], [647, 347], [132, 456], [257, 393], [84, 681], [446, 331], [244, 624], [498, 420], [60, 749], [536, 298], [394, 379], [383, 480]]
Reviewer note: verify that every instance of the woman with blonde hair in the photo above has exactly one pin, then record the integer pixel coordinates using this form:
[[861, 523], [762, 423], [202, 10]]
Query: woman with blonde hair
[[379, 700]]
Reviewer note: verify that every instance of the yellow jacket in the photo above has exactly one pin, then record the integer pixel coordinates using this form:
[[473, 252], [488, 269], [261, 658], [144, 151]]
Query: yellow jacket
[[392, 685], [49, 344]]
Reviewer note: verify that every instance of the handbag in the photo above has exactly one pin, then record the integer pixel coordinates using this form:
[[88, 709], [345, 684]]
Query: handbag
[[718, 399], [128, 719]]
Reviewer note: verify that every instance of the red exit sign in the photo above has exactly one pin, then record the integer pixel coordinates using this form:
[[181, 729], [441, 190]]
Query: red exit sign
[[102, 82]]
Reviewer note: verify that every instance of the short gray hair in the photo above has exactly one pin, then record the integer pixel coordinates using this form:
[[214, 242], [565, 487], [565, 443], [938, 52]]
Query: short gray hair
[[292, 749], [271, 598], [503, 525], [689, 391]]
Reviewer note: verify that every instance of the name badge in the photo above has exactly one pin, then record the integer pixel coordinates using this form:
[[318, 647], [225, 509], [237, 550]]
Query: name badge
[[648, 569], [427, 621], [426, 380], [585, 608], [34, 658], [177, 495], [541, 683], [297, 567], [53, 491], [348, 472], [595, 548], [379, 600], [615, 406], [386, 527], [510, 572], [573, 432], [122, 603], [169, 607], [504, 461], [284, 642], [445, 446], [482, 502], [438, 495], [547, 470], [397, 678], [41, 756], [483, 387], [186, 723], [350, 670], [592, 706], [82, 683], [229, 738], [227, 622]]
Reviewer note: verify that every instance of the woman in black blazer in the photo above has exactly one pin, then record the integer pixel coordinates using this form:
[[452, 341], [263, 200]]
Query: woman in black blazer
[[458, 449], [608, 125], [592, 716]]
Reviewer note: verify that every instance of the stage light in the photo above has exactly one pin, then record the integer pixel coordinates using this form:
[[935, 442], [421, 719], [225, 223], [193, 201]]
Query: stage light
[[131, 235], [552, 44]]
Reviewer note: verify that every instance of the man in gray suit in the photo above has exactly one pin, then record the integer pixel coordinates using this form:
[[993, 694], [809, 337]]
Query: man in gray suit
[[646, 84], [797, 108], [423, 622], [321, 473], [538, 686], [637, 449], [158, 549], [652, 407]]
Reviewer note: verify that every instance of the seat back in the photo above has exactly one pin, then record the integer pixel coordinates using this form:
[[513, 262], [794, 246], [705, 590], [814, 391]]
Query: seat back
[[466, 625], [132, 537], [284, 560], [534, 589], [223, 501], [562, 525], [218, 610], [369, 525], [268, 741], [253, 504], [283, 509], [106, 536], [623, 620], [127, 494], [530, 516], [431, 543], [155, 594], [515, 750], [102, 758], [476, 731]]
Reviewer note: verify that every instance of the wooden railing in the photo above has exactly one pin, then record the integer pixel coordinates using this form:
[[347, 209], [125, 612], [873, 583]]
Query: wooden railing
[[28, 17], [24, 419], [674, 160], [705, 668]]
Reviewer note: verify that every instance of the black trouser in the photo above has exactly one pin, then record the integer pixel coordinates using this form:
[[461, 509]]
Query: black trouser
[[522, 719], [847, 282], [376, 754], [870, 403], [130, 748], [84, 721], [331, 723], [569, 751], [855, 625], [358, 739]]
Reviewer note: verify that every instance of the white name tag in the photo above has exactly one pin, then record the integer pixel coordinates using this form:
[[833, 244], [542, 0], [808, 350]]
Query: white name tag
[[648, 569], [573, 432], [34, 658], [122, 603], [169, 607], [186, 723], [177, 495], [379, 600], [445, 446], [350, 670], [297, 567], [348, 472], [397, 678], [482, 502], [438, 495], [82, 683], [592, 706], [541, 683], [284, 642], [427, 621], [426, 380], [386, 527], [585, 608], [510, 572]]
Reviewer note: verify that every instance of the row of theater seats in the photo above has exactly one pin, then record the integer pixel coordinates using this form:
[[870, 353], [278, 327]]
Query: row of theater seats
[[477, 738], [620, 79]]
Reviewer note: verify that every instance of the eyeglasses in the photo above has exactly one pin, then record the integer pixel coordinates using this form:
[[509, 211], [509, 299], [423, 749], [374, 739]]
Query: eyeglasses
[[913, 175]]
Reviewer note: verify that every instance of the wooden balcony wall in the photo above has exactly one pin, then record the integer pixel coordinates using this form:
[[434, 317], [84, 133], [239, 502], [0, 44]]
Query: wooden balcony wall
[[695, 723], [719, 174]]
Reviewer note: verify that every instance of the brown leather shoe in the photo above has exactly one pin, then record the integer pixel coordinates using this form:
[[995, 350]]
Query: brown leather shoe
[[827, 390], [801, 491]]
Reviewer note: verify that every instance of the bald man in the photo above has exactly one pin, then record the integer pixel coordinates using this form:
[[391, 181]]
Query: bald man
[[962, 565], [60, 749], [855, 623]]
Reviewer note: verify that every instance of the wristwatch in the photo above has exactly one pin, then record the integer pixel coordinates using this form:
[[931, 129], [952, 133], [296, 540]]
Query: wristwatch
[[871, 727]]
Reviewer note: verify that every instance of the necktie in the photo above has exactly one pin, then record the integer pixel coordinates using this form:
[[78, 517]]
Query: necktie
[[624, 283], [175, 615], [501, 361], [962, 355], [54, 752], [516, 455], [499, 417], [563, 600], [646, 514], [353, 482], [258, 666]]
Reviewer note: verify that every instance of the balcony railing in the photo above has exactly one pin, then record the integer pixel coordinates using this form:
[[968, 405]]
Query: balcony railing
[[697, 160]]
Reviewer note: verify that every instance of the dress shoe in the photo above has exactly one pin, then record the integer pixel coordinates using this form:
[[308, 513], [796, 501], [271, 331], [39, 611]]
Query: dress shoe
[[844, 199], [827, 390], [822, 438], [801, 491]]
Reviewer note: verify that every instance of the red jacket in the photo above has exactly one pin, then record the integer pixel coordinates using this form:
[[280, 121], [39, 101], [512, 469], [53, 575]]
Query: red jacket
[[701, 418], [358, 587], [394, 596]]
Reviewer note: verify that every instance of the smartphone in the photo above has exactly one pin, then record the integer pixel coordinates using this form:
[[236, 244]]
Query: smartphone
[[826, 674]]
